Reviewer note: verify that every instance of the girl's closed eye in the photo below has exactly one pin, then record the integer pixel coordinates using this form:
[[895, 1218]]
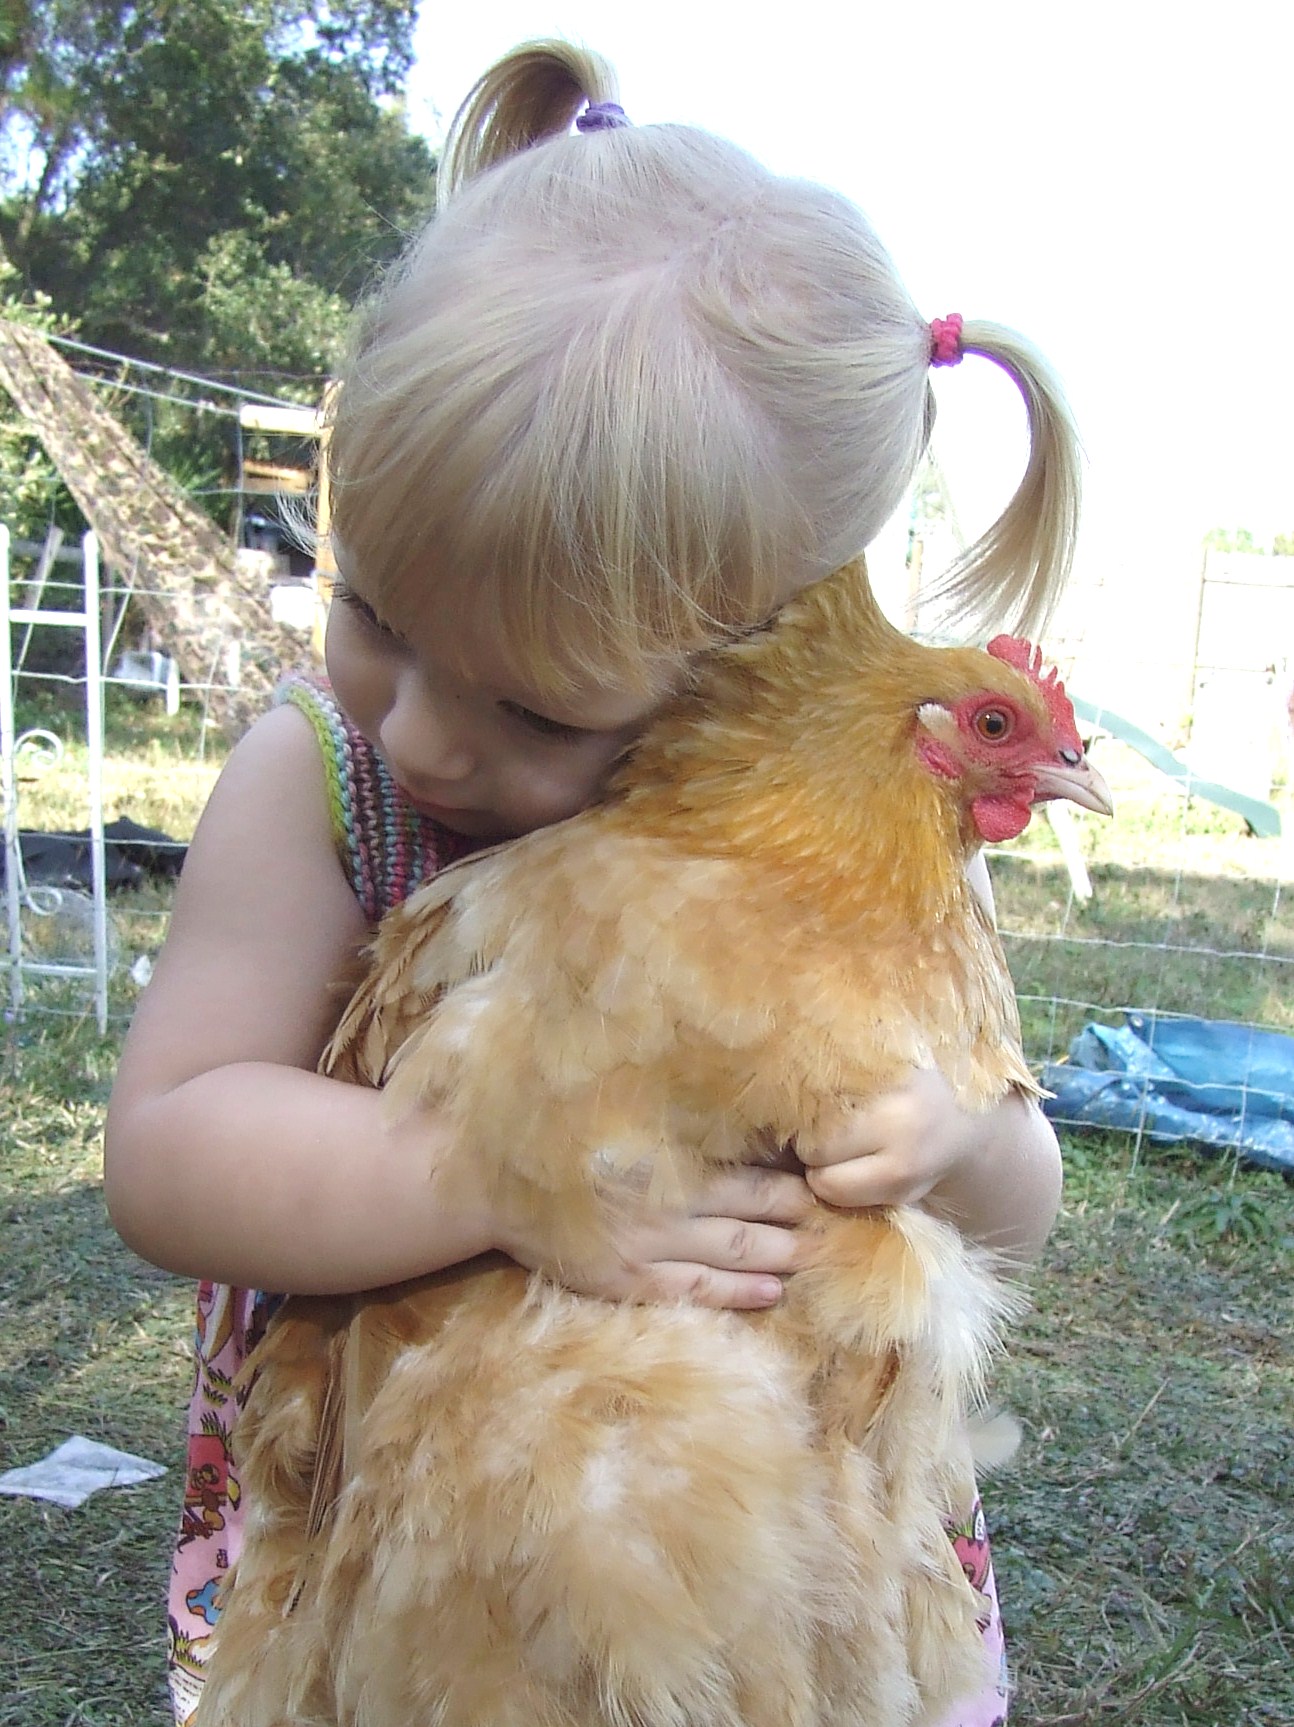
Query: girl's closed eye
[[542, 726], [348, 597]]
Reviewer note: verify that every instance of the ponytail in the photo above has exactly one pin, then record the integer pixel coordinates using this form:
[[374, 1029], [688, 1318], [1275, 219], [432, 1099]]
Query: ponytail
[[1014, 573], [532, 94]]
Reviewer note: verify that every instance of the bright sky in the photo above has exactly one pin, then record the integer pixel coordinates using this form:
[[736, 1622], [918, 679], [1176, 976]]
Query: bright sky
[[1112, 178]]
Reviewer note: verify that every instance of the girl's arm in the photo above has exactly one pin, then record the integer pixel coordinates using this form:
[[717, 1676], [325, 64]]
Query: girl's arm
[[227, 1156], [1004, 1191]]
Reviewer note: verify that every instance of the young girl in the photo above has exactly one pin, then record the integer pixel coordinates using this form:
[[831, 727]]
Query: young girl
[[626, 395]]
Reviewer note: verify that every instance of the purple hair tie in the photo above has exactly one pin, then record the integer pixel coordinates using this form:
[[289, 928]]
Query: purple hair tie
[[602, 117]]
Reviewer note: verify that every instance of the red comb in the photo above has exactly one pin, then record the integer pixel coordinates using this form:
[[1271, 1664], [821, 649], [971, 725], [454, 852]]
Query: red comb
[[1028, 659]]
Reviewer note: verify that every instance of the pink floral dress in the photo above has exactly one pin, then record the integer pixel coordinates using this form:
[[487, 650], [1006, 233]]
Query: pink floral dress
[[388, 848]]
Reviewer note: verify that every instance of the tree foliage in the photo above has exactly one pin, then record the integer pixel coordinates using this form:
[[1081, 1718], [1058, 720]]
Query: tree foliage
[[31, 495], [207, 184], [1230, 540], [1241, 540]]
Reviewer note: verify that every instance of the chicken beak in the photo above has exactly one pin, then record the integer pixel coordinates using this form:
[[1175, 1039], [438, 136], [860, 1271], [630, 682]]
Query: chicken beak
[[1078, 781]]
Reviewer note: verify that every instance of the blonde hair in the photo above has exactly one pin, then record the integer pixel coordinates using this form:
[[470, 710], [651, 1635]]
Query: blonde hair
[[629, 391]]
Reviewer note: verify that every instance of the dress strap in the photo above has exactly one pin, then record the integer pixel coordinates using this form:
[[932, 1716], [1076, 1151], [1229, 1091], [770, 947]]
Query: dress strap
[[386, 845]]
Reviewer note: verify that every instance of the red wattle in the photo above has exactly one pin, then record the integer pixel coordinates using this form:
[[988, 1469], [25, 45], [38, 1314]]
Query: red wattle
[[998, 819]]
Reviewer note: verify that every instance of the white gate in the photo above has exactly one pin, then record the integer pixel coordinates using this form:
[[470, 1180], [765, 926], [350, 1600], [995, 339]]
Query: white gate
[[22, 900]]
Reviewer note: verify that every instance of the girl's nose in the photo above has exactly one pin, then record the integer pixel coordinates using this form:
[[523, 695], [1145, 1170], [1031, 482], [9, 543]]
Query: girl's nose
[[424, 736]]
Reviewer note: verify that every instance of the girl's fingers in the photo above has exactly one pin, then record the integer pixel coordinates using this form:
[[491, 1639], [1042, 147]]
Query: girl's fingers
[[919, 1112], [758, 1195], [876, 1180], [734, 1244], [731, 1252], [713, 1262], [704, 1286], [858, 1131], [833, 1140]]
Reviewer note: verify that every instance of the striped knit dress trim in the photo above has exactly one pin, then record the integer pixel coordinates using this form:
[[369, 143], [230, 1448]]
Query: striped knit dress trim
[[387, 845]]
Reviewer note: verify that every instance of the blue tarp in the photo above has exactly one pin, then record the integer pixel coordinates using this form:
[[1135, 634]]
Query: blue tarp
[[1207, 1081]]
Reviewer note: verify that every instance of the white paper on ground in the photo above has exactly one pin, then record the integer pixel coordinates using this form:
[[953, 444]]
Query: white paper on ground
[[75, 1470]]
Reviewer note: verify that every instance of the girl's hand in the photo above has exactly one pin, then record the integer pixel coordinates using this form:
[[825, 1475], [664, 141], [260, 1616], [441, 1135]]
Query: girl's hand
[[995, 1175], [895, 1149], [731, 1249]]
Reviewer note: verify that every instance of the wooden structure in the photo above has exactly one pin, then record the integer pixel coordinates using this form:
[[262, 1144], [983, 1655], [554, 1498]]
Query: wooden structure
[[214, 618], [266, 477]]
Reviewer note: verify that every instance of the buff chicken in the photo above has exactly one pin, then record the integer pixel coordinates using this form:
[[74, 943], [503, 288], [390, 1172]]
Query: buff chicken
[[481, 1500]]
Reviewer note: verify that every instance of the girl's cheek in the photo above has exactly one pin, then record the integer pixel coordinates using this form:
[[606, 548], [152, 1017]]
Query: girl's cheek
[[554, 796], [539, 792]]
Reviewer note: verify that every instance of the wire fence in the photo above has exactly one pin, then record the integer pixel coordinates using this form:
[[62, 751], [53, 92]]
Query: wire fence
[[1174, 913]]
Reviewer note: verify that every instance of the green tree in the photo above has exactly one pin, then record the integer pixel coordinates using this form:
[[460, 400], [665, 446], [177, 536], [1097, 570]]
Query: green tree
[[206, 184], [1230, 540], [32, 497], [210, 183]]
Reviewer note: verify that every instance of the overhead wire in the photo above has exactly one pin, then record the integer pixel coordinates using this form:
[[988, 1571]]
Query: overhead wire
[[172, 372], [163, 395]]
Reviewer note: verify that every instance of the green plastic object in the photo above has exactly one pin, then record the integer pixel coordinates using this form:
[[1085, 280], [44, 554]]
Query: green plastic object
[[1263, 818]]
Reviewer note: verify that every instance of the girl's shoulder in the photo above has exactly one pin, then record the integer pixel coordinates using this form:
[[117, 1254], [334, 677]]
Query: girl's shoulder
[[276, 759], [263, 928], [281, 794], [269, 804]]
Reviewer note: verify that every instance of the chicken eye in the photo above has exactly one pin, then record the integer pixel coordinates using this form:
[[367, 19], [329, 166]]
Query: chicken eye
[[993, 724]]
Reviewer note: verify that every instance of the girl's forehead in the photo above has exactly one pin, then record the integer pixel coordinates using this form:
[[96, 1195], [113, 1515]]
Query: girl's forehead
[[563, 672], [491, 659]]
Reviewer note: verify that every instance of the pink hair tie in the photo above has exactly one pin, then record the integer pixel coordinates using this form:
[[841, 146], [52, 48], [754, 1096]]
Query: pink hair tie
[[601, 117], [946, 340]]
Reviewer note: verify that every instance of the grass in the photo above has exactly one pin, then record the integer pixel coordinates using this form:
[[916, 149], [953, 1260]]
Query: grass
[[156, 769], [1142, 1535], [154, 774], [91, 1341]]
